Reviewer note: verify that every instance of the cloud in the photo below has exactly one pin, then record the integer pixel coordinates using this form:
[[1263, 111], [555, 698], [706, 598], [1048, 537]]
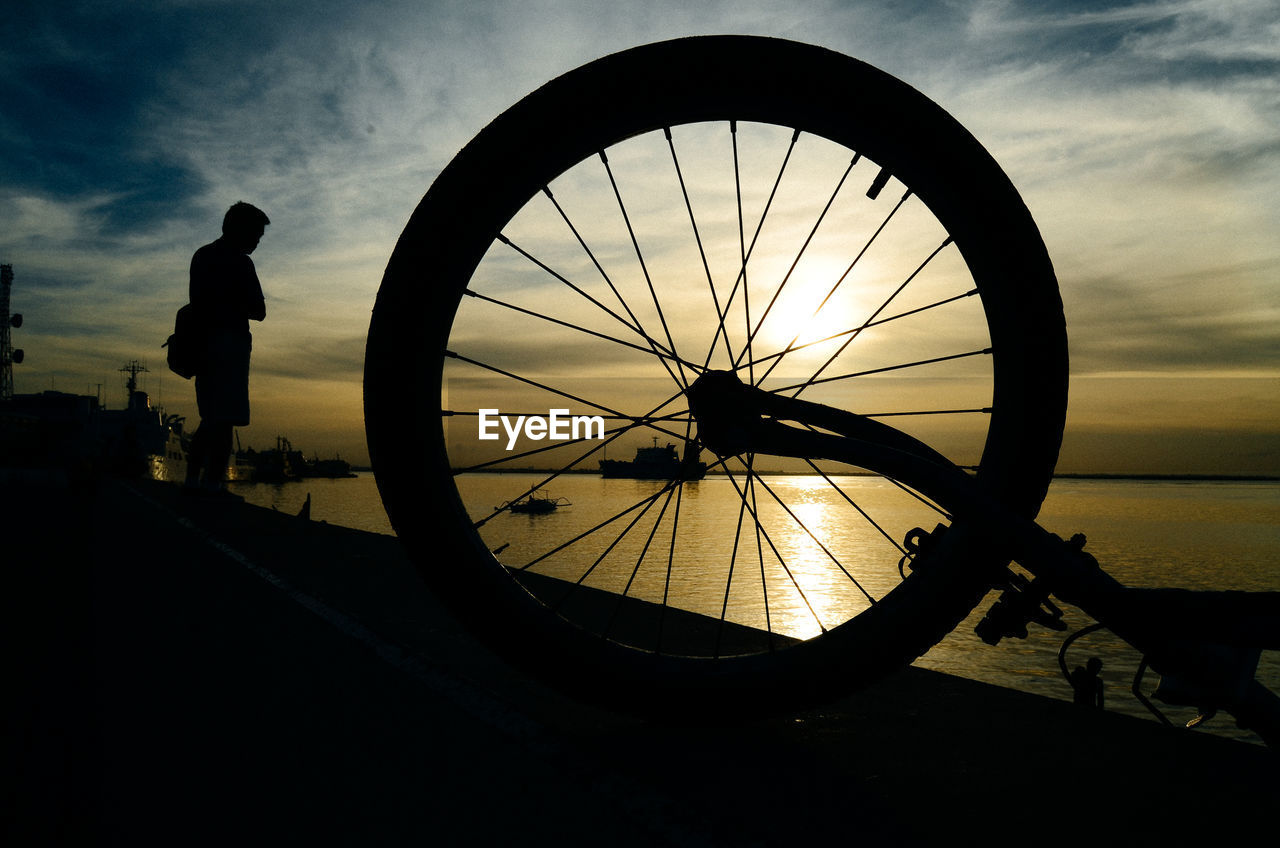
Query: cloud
[[1242, 35], [76, 85], [1205, 322], [338, 358], [1141, 135]]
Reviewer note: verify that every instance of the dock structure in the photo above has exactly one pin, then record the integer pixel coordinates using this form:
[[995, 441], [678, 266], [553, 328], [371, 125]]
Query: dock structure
[[229, 672]]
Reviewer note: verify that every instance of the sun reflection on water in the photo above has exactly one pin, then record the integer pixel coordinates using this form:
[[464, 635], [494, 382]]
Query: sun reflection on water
[[812, 565]]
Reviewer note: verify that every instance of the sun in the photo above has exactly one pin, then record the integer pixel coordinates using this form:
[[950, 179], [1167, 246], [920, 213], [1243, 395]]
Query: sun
[[811, 317]]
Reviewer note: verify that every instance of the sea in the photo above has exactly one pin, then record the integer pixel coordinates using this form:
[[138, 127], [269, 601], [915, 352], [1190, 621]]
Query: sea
[[1198, 534]]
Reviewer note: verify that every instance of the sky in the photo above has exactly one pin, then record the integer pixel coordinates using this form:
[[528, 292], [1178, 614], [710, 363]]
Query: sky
[[1144, 138]]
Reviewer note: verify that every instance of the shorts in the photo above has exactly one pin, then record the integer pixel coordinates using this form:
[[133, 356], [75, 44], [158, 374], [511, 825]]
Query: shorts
[[222, 385]]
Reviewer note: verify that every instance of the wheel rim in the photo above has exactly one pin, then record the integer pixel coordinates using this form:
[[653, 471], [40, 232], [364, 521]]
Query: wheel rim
[[1023, 397]]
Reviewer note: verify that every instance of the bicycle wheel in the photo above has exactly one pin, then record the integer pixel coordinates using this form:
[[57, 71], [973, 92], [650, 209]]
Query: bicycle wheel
[[730, 202]]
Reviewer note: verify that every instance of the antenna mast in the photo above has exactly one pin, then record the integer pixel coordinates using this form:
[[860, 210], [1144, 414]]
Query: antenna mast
[[8, 356], [133, 369]]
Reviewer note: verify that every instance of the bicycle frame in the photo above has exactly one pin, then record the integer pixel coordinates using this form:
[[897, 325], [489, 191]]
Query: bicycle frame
[[1205, 644]]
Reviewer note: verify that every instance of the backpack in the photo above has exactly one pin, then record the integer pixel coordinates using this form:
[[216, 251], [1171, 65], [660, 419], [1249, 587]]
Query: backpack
[[186, 344]]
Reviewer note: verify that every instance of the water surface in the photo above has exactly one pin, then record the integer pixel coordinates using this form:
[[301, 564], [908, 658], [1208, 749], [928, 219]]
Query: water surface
[[1193, 534]]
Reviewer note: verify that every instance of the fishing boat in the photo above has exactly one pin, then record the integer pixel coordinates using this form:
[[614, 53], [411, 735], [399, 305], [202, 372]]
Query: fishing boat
[[535, 504]]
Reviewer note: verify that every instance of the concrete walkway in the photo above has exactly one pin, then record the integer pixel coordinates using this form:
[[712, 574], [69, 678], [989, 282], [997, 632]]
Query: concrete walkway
[[195, 672]]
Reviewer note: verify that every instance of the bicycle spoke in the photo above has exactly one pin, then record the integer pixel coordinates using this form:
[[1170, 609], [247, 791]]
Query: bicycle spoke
[[849, 270], [984, 410], [697, 237], [546, 190], [740, 281], [933, 506], [660, 353], [633, 327], [536, 486], [670, 484], [853, 330], [525, 454], [765, 534], [671, 555], [883, 306], [986, 351], [855, 505], [675, 526], [742, 242], [746, 349], [540, 385], [900, 315], [584, 534], [764, 583], [608, 550], [655, 346], [728, 583], [683, 379], [603, 444], [816, 540], [644, 551], [676, 417]]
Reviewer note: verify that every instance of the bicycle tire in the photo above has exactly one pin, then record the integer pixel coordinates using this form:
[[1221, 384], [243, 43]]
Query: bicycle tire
[[645, 89]]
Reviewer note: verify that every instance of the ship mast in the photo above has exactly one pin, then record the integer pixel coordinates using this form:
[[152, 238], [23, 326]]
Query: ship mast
[[133, 368]]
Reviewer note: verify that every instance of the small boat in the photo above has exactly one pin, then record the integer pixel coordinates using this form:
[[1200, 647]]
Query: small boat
[[536, 504]]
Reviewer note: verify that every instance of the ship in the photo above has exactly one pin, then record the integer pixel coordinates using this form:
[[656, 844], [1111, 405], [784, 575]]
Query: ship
[[67, 438], [658, 463], [283, 464], [142, 440], [75, 436]]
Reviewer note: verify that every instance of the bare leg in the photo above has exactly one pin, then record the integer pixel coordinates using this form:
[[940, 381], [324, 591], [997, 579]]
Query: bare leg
[[196, 457], [218, 454]]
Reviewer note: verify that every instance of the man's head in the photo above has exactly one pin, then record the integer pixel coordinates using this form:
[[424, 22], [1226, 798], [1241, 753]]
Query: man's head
[[243, 226]]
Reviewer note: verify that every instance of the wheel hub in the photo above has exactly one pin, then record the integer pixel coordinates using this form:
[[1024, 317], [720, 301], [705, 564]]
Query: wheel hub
[[727, 411]]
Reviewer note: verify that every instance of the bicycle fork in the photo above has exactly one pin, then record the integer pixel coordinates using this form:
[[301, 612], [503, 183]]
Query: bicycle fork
[[1205, 644]]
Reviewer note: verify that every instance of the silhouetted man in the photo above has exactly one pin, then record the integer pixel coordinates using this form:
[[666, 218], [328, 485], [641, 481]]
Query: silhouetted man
[[1086, 684], [225, 294]]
